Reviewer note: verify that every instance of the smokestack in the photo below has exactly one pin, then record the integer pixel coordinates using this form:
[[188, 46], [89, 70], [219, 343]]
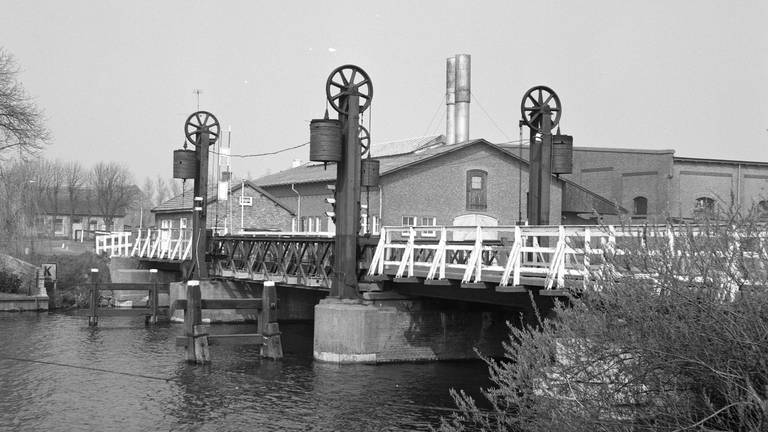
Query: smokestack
[[463, 69], [450, 100]]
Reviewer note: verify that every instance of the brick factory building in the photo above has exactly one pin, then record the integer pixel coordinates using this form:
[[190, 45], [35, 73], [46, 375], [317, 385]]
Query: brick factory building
[[425, 182]]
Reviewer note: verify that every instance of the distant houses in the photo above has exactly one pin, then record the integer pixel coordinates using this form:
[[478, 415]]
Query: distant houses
[[79, 218]]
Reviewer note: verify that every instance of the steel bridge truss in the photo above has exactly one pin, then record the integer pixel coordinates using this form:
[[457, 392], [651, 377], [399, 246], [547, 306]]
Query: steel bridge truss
[[290, 259]]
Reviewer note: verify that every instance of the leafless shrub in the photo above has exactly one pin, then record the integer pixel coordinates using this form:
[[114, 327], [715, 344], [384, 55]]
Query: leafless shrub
[[684, 347]]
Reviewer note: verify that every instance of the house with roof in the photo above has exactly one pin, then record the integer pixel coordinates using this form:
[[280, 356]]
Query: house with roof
[[425, 182], [248, 207], [78, 218]]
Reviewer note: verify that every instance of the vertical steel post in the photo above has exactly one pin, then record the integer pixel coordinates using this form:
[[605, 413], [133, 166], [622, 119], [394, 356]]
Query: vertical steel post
[[546, 168], [199, 269], [154, 297], [268, 326], [344, 284], [93, 293], [540, 173], [197, 338], [534, 186]]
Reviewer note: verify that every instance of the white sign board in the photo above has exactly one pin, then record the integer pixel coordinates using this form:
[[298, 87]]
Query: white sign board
[[49, 272], [246, 201]]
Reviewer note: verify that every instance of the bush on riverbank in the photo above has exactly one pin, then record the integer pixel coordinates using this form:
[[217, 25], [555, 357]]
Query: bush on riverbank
[[9, 282], [678, 343]]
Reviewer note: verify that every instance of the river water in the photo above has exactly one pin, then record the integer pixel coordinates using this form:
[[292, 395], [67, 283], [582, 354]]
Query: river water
[[57, 374]]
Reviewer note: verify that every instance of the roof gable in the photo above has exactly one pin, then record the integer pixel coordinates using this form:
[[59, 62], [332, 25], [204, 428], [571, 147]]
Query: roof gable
[[183, 202]]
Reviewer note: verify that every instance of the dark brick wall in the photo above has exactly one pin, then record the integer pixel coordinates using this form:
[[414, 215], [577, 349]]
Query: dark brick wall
[[724, 182], [263, 214], [622, 175], [670, 185], [438, 188]]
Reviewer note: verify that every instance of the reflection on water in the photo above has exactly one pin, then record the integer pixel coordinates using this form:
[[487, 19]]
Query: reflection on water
[[123, 376]]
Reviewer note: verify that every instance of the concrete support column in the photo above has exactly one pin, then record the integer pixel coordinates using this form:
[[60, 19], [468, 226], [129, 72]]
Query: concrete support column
[[387, 327]]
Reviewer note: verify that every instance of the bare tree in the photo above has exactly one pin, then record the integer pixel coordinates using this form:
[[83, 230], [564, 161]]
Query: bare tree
[[38, 174], [74, 178], [175, 187], [55, 184], [161, 190], [147, 200], [18, 213], [114, 190], [21, 122]]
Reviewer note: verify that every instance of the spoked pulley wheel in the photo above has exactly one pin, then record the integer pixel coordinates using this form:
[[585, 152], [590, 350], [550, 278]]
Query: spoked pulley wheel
[[538, 102], [365, 140], [348, 80], [201, 121]]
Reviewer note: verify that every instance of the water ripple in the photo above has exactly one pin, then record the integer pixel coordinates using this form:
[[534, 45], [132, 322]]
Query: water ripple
[[122, 376]]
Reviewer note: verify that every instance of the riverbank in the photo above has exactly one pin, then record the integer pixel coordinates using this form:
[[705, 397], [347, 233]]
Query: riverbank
[[22, 303]]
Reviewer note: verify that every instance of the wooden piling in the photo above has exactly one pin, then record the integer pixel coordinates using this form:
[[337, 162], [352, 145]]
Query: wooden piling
[[268, 326], [153, 297], [93, 294], [196, 333]]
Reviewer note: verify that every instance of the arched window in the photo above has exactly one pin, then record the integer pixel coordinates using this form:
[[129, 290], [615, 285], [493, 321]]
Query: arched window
[[704, 206], [762, 208], [640, 206], [477, 190]]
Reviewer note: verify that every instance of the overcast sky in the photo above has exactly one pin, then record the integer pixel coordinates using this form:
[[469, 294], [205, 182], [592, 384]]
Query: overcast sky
[[116, 78]]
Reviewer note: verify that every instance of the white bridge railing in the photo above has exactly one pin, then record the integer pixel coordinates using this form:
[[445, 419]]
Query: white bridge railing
[[511, 256], [503, 254], [170, 244]]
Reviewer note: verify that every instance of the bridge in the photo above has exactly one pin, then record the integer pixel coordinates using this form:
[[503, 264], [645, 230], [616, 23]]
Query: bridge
[[500, 258]]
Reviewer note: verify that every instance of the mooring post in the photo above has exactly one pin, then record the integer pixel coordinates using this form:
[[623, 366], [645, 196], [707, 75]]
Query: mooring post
[[93, 294], [268, 326], [197, 335], [153, 296]]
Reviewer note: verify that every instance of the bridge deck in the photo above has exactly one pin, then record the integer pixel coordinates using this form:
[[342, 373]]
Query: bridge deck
[[505, 259]]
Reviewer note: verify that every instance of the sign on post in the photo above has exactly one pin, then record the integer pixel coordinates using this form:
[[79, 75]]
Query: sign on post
[[49, 272]]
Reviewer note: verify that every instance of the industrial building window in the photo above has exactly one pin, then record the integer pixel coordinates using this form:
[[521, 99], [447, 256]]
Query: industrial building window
[[640, 206], [408, 221], [58, 226], [762, 208], [310, 224], [477, 190], [705, 204], [363, 224], [376, 225], [428, 221]]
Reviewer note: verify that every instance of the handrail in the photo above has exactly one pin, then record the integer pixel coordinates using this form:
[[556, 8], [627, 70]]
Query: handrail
[[550, 254]]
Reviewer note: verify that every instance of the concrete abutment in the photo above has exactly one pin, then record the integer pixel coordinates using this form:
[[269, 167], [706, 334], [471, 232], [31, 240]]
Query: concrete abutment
[[393, 328]]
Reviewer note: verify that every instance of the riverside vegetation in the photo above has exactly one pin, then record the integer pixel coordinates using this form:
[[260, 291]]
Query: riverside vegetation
[[663, 340]]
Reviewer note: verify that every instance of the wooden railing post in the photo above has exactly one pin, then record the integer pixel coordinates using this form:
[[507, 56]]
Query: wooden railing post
[[197, 336], [93, 294], [153, 296], [268, 327]]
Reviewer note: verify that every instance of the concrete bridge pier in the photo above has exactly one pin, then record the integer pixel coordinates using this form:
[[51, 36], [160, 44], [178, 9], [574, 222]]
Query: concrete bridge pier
[[387, 327]]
